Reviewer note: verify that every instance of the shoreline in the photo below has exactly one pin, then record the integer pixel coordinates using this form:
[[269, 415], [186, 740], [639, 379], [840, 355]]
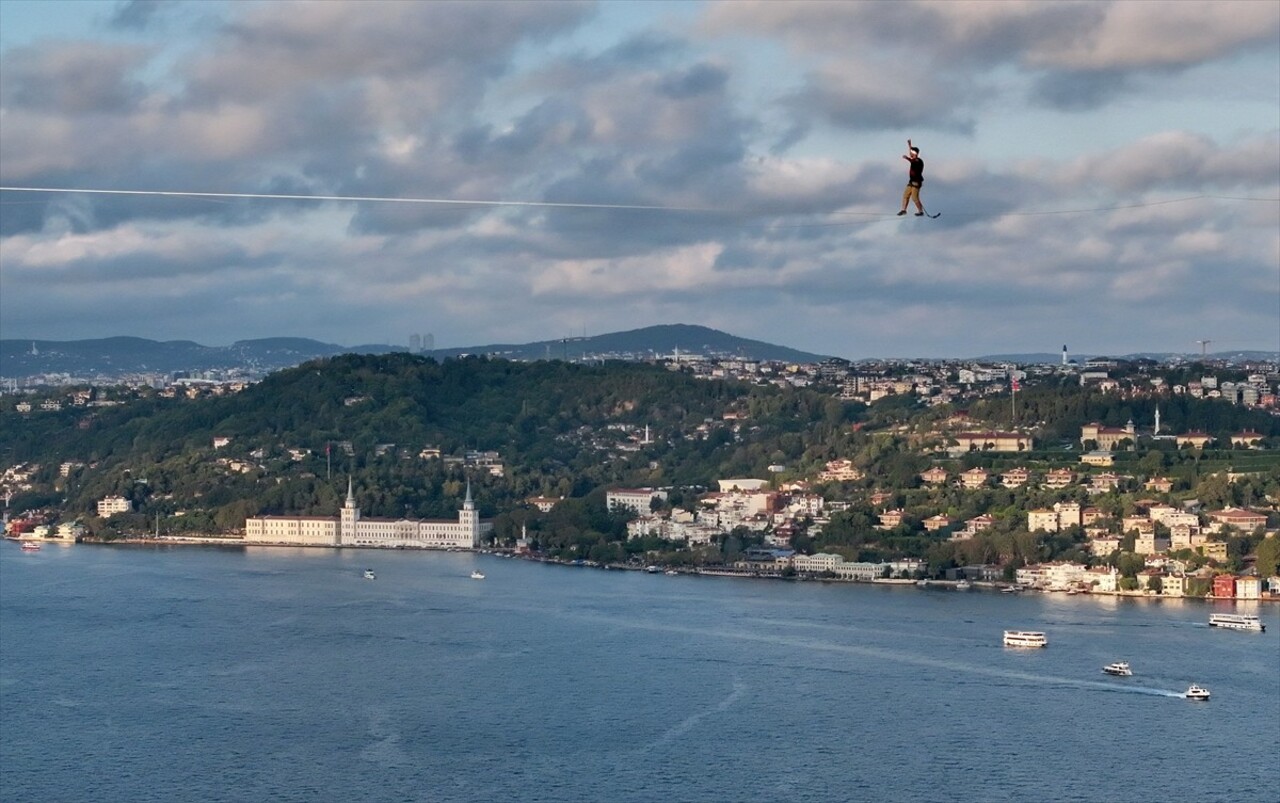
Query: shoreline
[[711, 571]]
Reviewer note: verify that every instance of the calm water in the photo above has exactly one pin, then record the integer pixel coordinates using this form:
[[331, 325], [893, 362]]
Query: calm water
[[192, 674]]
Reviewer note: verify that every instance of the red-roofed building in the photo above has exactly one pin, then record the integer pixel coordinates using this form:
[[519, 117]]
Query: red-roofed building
[[1243, 520]]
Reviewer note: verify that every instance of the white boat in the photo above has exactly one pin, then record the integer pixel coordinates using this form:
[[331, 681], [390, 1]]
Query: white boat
[[963, 585], [30, 546], [1197, 693], [1237, 621], [1025, 638], [1010, 590], [369, 575], [652, 569], [671, 572], [477, 575], [1119, 669]]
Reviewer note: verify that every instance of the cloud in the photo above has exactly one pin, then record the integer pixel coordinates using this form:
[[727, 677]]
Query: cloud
[[748, 130], [72, 78]]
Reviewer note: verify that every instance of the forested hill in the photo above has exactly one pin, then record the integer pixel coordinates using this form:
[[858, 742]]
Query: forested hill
[[558, 428], [401, 427]]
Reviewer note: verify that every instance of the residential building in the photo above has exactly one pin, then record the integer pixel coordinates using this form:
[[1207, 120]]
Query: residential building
[[1224, 586], [974, 478], [1042, 519], [934, 476], [1246, 521], [1248, 588], [639, 500], [1056, 478], [840, 471], [110, 505], [1015, 478]]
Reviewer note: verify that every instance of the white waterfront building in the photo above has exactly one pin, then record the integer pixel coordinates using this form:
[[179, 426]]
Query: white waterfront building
[[350, 529]]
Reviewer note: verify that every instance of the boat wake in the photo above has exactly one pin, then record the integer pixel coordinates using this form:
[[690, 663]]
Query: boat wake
[[690, 722], [806, 644]]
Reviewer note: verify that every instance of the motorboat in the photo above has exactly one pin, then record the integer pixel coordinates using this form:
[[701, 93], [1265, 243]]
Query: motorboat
[[963, 585], [1025, 638], [1119, 669], [1197, 693], [369, 575], [30, 546], [477, 575]]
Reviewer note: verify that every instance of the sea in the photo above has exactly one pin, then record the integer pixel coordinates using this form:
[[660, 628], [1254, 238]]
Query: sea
[[149, 673]]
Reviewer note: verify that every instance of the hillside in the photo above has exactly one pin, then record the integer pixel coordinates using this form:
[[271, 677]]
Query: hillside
[[116, 356]]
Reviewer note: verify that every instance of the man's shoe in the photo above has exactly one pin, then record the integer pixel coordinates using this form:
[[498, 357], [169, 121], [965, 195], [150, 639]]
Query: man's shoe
[[903, 212], [919, 214]]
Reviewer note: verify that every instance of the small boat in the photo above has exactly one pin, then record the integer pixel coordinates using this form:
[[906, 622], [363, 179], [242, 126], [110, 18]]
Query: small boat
[[1025, 638], [477, 575], [1010, 590], [652, 569], [671, 572], [1237, 621], [30, 546], [1197, 693], [1119, 669], [369, 575], [963, 585]]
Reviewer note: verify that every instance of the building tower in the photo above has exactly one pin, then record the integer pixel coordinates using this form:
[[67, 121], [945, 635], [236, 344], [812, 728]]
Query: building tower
[[1156, 431], [1064, 354], [349, 516], [469, 518]]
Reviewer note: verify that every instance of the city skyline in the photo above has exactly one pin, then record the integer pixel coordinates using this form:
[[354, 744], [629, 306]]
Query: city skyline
[[1108, 173]]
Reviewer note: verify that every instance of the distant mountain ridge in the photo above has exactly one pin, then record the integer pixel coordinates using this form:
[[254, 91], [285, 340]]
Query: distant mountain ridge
[[115, 356]]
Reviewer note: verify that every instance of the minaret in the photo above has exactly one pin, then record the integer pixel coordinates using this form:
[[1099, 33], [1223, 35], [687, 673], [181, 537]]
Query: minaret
[[1156, 431], [1064, 354]]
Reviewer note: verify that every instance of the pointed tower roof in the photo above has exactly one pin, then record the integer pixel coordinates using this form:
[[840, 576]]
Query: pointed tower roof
[[351, 497]]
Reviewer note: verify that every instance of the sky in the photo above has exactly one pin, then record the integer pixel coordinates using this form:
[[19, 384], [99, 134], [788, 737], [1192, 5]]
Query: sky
[[1107, 173]]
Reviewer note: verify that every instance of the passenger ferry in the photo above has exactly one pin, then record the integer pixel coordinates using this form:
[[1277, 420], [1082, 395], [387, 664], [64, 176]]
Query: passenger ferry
[[1237, 621], [1197, 693], [30, 546], [1119, 669], [477, 575], [1025, 638]]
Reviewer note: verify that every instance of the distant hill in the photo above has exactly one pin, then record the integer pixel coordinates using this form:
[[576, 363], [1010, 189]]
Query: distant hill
[[115, 356], [651, 341]]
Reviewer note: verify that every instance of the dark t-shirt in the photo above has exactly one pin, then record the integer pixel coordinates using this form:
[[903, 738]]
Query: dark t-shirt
[[916, 178]]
